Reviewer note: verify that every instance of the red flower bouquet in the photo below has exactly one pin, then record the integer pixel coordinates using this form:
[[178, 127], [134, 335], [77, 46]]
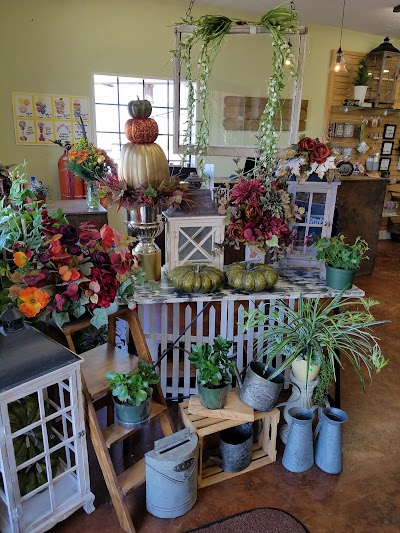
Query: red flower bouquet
[[257, 213], [73, 272]]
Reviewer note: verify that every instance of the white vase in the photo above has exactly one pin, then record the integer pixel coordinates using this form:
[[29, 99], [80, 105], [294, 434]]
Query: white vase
[[299, 369], [359, 92], [254, 254]]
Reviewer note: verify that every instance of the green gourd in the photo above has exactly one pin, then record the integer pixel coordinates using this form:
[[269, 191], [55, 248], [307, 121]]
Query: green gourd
[[251, 277], [196, 278]]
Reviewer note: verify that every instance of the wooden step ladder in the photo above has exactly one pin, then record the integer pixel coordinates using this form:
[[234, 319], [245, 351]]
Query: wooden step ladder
[[96, 363]]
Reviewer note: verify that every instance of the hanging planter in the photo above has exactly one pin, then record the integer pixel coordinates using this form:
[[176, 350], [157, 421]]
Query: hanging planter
[[209, 32]]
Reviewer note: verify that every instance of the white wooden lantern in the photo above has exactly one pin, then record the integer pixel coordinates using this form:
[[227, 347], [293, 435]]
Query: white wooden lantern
[[193, 239], [44, 473], [318, 199]]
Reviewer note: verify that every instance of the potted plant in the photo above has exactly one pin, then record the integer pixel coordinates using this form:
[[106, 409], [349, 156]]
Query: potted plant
[[132, 393], [341, 260], [214, 371], [39, 189], [361, 80], [317, 332]]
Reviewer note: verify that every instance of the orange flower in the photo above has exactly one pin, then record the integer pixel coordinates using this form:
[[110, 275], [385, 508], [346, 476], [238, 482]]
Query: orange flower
[[68, 274], [33, 300], [20, 259]]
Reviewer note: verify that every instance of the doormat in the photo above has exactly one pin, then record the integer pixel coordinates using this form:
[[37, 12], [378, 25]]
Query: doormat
[[262, 520]]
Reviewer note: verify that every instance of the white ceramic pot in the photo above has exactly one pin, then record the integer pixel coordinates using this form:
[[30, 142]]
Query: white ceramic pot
[[359, 92], [299, 369]]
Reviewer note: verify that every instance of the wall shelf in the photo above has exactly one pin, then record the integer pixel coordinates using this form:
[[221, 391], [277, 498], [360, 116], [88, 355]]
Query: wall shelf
[[350, 109]]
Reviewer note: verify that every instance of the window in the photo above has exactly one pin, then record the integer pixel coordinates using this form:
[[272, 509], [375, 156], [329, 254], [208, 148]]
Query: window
[[111, 96]]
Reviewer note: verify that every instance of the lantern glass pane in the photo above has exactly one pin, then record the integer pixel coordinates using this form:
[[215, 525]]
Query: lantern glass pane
[[35, 507], [64, 458]]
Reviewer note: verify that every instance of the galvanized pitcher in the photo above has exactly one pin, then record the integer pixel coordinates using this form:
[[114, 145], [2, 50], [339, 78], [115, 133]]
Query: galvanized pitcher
[[299, 452], [328, 452], [259, 392]]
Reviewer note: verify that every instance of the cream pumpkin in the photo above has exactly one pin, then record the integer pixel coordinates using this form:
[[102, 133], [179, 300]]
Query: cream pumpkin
[[143, 164]]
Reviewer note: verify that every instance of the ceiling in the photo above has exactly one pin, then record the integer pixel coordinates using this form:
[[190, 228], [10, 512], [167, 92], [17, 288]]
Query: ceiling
[[368, 16]]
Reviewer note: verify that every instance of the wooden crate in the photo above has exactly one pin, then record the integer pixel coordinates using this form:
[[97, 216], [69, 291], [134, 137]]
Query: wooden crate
[[264, 450]]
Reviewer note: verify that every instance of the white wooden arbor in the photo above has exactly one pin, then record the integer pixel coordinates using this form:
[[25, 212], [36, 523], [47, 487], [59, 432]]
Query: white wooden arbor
[[185, 29], [44, 474]]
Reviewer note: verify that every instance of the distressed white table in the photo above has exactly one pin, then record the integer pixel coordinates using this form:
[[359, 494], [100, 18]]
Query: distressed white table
[[165, 313]]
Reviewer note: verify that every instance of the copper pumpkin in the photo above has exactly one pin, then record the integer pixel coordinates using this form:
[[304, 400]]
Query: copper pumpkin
[[141, 130]]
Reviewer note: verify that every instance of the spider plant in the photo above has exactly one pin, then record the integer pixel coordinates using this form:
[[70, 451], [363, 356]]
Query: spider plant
[[320, 330]]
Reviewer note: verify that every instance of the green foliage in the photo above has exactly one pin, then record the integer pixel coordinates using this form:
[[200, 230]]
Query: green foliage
[[134, 387], [361, 76], [21, 222], [318, 331], [214, 367], [335, 252]]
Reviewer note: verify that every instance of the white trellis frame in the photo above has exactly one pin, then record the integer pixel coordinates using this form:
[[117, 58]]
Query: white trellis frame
[[244, 29]]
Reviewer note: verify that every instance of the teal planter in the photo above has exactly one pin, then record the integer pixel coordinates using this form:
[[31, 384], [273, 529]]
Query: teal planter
[[132, 415], [337, 278], [213, 398]]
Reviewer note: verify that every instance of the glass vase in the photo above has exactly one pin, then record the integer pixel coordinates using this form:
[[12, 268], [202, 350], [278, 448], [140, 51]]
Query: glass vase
[[92, 195]]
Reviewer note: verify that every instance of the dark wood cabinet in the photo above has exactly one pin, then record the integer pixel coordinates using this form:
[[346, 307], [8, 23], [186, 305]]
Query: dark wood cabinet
[[359, 205], [77, 211]]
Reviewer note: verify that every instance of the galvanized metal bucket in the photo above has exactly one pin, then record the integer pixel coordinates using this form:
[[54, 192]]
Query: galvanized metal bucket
[[258, 391], [171, 475], [235, 448], [328, 452]]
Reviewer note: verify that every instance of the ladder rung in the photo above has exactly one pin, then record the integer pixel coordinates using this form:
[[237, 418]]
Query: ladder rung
[[117, 432], [132, 477]]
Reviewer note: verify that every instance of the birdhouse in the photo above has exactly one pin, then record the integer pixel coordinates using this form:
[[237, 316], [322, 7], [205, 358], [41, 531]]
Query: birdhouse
[[44, 473], [383, 69]]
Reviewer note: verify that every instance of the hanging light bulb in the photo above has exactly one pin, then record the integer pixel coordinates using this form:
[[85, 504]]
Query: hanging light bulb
[[339, 63], [288, 61]]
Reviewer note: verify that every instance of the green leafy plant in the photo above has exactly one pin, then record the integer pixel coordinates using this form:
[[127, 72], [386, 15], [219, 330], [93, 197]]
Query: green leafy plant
[[317, 332], [212, 362], [361, 76], [335, 252], [209, 31], [133, 388]]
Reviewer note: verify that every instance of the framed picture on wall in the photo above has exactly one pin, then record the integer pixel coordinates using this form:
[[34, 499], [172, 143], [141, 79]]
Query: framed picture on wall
[[384, 163], [387, 148], [389, 131]]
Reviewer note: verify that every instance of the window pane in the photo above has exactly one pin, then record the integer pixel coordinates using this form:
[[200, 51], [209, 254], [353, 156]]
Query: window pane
[[159, 92], [161, 116], [130, 89], [107, 118], [105, 89], [110, 143]]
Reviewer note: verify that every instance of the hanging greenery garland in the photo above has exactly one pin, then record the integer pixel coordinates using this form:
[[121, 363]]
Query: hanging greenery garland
[[210, 31]]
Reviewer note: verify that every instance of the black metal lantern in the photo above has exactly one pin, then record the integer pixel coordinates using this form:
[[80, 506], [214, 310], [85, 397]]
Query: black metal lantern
[[383, 69]]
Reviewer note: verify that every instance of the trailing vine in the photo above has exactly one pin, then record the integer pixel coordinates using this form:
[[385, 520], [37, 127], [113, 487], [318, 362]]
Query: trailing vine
[[210, 31], [326, 376]]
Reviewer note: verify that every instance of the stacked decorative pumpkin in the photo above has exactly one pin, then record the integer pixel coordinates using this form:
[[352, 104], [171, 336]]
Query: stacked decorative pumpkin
[[142, 160]]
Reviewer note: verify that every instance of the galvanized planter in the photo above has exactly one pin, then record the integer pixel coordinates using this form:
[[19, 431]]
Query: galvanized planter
[[213, 398], [257, 391], [235, 448]]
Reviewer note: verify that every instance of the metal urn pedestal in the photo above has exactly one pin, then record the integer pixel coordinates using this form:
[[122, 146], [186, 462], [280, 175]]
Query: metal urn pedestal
[[146, 223]]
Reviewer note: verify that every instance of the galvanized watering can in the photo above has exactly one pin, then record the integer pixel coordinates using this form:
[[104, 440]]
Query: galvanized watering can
[[258, 391], [299, 451], [328, 452]]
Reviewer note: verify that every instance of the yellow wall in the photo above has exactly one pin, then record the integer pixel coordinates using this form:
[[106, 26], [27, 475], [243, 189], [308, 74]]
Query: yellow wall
[[53, 46]]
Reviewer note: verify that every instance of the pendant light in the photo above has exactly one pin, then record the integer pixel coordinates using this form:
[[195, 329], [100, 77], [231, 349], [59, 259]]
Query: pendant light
[[338, 63]]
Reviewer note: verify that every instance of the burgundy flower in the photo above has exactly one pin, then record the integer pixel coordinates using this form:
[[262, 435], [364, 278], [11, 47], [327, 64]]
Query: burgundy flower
[[320, 154], [251, 232], [247, 191], [37, 280], [101, 259], [74, 249], [253, 211], [43, 257], [108, 287], [70, 234], [307, 144]]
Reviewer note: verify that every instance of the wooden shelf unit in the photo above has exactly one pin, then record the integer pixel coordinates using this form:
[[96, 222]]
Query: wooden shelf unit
[[264, 450], [340, 87]]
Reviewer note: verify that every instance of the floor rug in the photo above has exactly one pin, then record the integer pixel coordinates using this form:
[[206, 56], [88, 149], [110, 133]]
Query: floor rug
[[263, 520]]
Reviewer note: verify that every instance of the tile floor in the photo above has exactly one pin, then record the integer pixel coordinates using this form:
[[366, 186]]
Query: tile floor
[[364, 498]]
